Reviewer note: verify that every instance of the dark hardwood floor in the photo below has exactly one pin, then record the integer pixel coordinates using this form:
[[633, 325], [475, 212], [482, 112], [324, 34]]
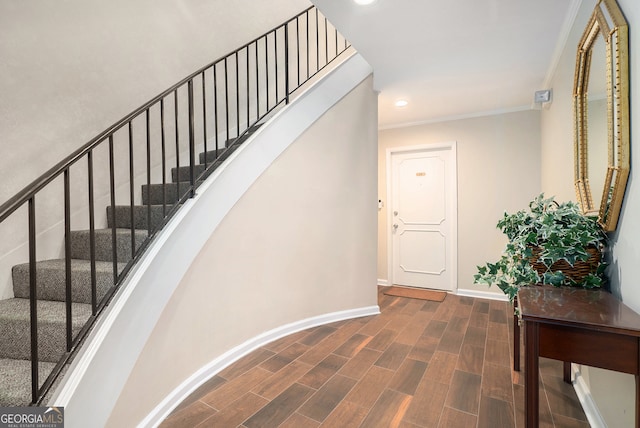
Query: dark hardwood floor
[[417, 364]]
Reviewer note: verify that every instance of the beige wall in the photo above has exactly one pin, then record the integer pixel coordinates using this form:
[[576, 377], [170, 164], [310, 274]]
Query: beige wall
[[498, 170], [300, 243], [613, 393]]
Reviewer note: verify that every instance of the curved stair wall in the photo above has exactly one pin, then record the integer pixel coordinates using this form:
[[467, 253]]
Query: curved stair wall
[[281, 238]]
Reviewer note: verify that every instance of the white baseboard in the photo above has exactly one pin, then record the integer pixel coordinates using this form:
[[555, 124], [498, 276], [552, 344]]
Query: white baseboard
[[586, 400], [187, 387], [482, 294], [383, 282]]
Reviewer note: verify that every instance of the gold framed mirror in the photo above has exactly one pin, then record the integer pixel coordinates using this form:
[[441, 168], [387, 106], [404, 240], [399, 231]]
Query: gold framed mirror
[[601, 113]]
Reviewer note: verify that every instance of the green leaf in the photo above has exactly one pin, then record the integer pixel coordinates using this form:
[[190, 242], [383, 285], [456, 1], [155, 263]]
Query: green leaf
[[554, 278], [592, 281]]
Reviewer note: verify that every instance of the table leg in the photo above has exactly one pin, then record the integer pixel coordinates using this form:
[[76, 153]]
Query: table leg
[[637, 401], [566, 371], [531, 378]]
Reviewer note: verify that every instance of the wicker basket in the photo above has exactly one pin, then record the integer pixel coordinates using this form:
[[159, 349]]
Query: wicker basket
[[577, 272]]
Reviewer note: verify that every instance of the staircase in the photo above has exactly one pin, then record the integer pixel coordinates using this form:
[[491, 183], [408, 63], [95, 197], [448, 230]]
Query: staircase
[[57, 300], [15, 351]]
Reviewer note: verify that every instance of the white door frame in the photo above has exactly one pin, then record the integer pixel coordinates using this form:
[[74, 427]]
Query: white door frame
[[453, 187]]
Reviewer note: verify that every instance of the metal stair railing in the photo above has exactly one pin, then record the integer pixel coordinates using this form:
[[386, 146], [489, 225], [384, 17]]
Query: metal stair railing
[[223, 101]]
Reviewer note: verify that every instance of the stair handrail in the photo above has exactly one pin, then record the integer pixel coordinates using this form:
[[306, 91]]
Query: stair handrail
[[28, 193], [20, 198]]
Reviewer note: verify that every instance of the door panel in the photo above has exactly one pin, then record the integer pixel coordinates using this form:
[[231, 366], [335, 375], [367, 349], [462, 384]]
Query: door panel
[[422, 251], [421, 190]]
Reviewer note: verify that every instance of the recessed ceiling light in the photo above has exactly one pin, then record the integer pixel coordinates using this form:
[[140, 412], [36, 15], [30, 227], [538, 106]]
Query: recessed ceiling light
[[401, 103], [363, 2]]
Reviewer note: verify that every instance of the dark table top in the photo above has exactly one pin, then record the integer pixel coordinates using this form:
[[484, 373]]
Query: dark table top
[[578, 307]]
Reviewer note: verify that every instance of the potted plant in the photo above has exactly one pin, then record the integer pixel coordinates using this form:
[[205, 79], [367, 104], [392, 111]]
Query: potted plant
[[550, 243]]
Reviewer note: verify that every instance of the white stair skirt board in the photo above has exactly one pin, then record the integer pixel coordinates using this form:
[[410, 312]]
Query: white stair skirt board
[[154, 279], [383, 282], [482, 294], [189, 386]]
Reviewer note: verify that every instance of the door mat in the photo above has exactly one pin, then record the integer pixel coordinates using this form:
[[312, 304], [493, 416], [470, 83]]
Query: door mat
[[416, 293]]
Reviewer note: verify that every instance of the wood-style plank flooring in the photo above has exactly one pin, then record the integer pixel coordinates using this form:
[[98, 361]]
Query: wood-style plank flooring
[[417, 364]]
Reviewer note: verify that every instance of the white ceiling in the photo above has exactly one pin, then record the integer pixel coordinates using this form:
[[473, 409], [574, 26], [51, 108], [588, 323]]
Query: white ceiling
[[454, 58]]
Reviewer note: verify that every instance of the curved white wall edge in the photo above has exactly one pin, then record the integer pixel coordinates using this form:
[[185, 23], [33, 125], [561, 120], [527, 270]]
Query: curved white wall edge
[[208, 371], [586, 400], [99, 372], [482, 294]]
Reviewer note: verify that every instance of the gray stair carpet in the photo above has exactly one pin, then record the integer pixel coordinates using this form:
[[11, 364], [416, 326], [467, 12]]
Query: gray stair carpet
[[183, 173], [168, 193], [80, 244], [140, 216], [51, 279], [221, 154], [15, 342], [214, 159], [16, 381]]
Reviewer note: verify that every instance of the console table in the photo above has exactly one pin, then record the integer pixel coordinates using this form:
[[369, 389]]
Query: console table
[[589, 327]]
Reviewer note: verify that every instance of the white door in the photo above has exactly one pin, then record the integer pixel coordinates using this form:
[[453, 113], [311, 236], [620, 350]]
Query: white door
[[423, 217]]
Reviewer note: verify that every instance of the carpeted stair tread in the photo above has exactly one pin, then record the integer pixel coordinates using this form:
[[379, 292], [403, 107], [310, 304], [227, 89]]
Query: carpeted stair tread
[[140, 216], [212, 155], [15, 333], [153, 193], [183, 173], [16, 381], [80, 244], [218, 156], [222, 153], [51, 282]]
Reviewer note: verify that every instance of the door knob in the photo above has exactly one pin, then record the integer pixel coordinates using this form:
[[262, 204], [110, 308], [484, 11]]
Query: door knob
[[395, 213], [395, 226]]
